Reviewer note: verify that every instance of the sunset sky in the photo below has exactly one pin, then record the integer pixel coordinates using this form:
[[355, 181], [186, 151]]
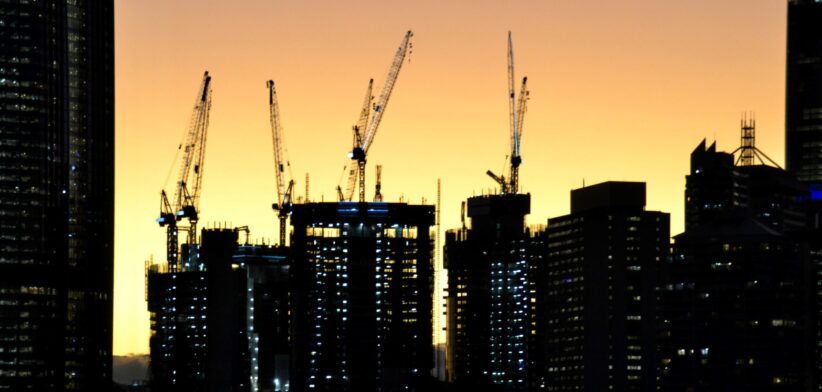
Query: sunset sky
[[619, 91]]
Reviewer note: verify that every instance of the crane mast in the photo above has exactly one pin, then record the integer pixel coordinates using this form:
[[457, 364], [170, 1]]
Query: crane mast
[[187, 189], [516, 159], [516, 113], [359, 131], [281, 163], [378, 185], [364, 137]]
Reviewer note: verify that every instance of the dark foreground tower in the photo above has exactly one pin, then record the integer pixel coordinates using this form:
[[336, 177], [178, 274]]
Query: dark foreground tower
[[56, 194]]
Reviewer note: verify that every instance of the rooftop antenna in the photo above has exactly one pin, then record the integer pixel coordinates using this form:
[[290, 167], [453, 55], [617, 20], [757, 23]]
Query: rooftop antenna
[[748, 153]]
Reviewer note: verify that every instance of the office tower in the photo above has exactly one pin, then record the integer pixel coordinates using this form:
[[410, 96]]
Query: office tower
[[537, 338], [734, 295], [713, 188], [362, 296], [803, 92], [219, 322], [732, 309], [56, 194], [488, 293], [599, 298], [803, 136], [716, 189]]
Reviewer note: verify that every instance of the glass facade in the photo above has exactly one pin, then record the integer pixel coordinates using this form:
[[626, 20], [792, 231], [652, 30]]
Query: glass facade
[[56, 194], [803, 109]]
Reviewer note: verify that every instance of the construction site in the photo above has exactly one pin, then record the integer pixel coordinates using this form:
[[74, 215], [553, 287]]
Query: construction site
[[353, 298], [361, 293], [301, 314]]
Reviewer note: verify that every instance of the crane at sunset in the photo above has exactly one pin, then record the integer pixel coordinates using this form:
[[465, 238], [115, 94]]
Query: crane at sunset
[[187, 200], [516, 115], [365, 131]]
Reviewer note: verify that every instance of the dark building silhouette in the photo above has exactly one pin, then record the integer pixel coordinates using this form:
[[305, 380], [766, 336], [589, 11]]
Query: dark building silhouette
[[733, 310], [268, 319], [803, 105], [803, 139], [736, 298], [599, 298], [488, 293], [716, 188], [220, 322], [537, 278], [56, 194], [363, 284]]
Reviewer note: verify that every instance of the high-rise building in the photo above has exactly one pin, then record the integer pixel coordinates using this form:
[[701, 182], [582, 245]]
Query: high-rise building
[[56, 194], [803, 105], [803, 136], [599, 293], [362, 296], [716, 188], [220, 321], [733, 310], [735, 296], [268, 318], [537, 339], [489, 293]]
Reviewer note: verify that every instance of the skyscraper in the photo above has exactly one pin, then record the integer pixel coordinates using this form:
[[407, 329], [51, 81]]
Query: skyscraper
[[56, 194], [716, 188], [599, 293], [803, 105], [732, 310], [362, 296], [737, 298], [488, 293]]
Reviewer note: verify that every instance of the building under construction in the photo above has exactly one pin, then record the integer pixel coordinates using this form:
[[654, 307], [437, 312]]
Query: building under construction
[[220, 321], [488, 305], [488, 293], [221, 315], [362, 316]]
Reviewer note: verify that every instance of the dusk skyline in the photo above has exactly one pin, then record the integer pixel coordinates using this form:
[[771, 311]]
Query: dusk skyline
[[618, 92]]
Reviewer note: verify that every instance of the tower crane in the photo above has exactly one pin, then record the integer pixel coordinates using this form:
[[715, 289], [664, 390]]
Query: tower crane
[[358, 129], [283, 205], [516, 114], [366, 128], [186, 201]]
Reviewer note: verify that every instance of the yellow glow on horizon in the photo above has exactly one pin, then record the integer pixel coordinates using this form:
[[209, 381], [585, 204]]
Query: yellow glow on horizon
[[619, 91]]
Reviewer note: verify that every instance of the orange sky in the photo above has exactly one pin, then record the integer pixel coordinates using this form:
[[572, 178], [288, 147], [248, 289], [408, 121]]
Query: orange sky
[[619, 91]]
